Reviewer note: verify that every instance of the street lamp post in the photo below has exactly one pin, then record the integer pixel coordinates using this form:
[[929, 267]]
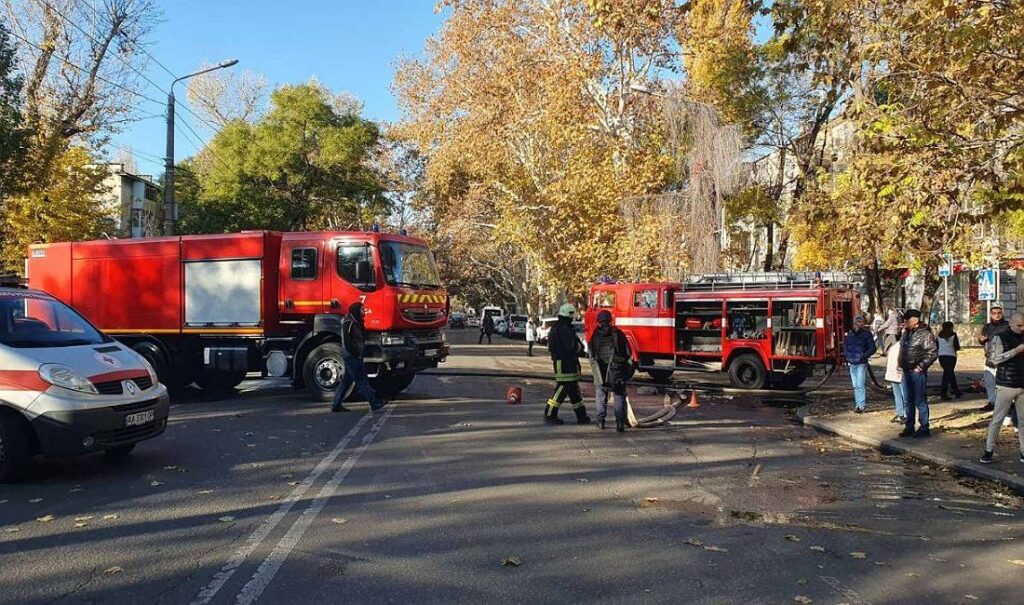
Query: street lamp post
[[170, 207]]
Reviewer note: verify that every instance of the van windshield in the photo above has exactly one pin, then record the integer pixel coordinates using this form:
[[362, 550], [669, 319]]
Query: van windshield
[[29, 321]]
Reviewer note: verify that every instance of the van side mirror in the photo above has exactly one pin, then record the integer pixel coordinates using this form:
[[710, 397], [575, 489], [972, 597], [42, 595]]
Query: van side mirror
[[363, 272]]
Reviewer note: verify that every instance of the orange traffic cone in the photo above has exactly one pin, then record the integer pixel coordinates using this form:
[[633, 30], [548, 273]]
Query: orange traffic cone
[[514, 395], [693, 400]]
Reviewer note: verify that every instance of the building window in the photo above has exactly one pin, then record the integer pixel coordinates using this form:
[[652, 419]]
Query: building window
[[304, 263]]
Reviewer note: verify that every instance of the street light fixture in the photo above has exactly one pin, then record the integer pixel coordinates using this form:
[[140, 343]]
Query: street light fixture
[[170, 207]]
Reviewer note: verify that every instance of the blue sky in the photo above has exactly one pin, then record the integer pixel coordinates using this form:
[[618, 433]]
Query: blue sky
[[348, 45]]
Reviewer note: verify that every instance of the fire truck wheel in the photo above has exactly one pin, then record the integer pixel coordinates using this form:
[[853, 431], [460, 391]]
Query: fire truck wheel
[[217, 381], [323, 370], [389, 386], [790, 381], [660, 375], [747, 372], [156, 358], [14, 447]]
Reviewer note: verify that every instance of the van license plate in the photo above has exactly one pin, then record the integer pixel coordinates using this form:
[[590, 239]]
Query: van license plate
[[430, 353], [140, 418]]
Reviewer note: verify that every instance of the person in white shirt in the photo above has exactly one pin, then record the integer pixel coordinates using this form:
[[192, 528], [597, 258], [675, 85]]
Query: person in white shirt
[[949, 345], [894, 376]]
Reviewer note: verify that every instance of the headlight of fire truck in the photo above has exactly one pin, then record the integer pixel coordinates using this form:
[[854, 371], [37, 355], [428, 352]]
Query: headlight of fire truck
[[64, 377], [392, 339]]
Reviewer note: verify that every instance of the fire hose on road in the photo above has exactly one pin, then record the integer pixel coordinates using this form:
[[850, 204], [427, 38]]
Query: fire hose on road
[[674, 397]]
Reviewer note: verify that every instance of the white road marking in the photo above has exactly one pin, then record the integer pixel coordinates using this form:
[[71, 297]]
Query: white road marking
[[261, 533], [266, 571]]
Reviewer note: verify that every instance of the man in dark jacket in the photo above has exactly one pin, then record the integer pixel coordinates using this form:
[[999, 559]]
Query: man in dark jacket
[[486, 328], [565, 350], [858, 347], [996, 325], [609, 362], [1007, 353], [918, 351], [353, 335]]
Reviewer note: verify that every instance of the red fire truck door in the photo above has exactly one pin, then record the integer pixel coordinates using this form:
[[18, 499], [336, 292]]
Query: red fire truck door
[[303, 267]]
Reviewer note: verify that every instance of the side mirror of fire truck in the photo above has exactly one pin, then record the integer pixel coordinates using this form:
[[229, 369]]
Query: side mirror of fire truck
[[363, 272]]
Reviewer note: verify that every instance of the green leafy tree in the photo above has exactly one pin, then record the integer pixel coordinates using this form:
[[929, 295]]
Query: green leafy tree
[[13, 133], [311, 162]]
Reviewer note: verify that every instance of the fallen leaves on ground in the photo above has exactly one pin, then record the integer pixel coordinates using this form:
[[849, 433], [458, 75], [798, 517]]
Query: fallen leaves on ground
[[155, 483], [85, 518], [112, 570], [109, 517], [1016, 561], [226, 519], [793, 538], [205, 491], [802, 599], [35, 500], [81, 524], [818, 548], [12, 530], [512, 561], [46, 519], [970, 597], [858, 555], [708, 547], [339, 520]]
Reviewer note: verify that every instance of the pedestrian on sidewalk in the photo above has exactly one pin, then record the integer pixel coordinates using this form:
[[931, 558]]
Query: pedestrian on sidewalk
[[918, 352], [1007, 353], [565, 348], [609, 363], [486, 329], [891, 328], [858, 347], [876, 329], [949, 344], [353, 336], [997, 324], [531, 335], [894, 376]]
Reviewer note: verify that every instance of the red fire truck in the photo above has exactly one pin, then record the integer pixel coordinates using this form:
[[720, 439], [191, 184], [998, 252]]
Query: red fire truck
[[210, 308], [760, 328]]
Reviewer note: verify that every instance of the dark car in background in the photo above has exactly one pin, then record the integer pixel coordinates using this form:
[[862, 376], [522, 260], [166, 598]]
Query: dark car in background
[[457, 321]]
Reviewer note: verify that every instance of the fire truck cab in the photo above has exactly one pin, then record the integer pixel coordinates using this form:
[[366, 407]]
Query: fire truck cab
[[762, 329]]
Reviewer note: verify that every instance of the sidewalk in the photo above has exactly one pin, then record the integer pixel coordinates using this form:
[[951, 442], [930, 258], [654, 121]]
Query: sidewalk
[[957, 441]]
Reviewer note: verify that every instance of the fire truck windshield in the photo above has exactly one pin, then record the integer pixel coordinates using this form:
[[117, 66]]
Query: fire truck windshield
[[29, 321], [408, 265]]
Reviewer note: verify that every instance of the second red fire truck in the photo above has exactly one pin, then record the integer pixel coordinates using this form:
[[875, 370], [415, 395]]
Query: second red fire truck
[[211, 308], [762, 329]]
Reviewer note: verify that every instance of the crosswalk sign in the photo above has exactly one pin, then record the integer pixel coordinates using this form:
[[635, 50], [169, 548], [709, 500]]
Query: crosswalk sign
[[987, 284]]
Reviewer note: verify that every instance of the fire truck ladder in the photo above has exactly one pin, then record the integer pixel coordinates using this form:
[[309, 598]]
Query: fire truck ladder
[[715, 282]]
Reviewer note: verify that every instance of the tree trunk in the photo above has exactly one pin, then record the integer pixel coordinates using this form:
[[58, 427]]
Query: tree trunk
[[769, 246]]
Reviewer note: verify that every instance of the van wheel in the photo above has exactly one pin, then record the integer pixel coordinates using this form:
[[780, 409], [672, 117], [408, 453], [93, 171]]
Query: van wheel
[[14, 448], [747, 372], [219, 382], [323, 370], [389, 386], [120, 452]]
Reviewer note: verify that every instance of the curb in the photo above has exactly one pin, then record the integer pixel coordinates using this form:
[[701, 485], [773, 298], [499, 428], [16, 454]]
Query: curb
[[970, 469]]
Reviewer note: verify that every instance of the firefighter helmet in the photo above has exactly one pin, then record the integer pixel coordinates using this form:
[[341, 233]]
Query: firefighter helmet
[[566, 310]]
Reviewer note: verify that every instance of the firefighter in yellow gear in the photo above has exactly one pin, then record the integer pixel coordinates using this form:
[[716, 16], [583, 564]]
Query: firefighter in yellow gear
[[565, 348]]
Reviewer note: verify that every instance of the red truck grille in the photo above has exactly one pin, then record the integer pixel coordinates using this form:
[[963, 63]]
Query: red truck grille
[[423, 315]]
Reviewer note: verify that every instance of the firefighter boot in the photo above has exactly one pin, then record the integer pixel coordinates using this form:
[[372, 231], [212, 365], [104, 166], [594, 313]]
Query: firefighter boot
[[581, 415], [620, 424], [551, 413], [600, 422]]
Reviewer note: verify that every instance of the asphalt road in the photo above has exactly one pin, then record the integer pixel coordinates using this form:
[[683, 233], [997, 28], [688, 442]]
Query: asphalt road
[[265, 496]]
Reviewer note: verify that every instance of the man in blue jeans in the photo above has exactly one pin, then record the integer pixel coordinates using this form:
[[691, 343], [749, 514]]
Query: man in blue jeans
[[858, 347], [918, 351], [353, 336]]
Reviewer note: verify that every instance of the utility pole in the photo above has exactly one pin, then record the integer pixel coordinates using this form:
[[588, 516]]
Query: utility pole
[[170, 206]]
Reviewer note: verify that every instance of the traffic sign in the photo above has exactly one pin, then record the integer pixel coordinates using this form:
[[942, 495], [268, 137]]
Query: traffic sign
[[987, 284], [946, 268]]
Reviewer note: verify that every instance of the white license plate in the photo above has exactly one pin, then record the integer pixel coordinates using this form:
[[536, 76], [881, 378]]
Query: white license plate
[[140, 418], [430, 352]]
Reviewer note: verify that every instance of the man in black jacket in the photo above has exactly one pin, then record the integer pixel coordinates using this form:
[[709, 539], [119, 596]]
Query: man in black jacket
[[918, 351], [1007, 353], [353, 335], [609, 362], [486, 328], [565, 350]]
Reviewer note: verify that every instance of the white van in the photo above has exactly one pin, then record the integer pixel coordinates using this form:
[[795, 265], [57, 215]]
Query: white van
[[66, 388], [495, 313]]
